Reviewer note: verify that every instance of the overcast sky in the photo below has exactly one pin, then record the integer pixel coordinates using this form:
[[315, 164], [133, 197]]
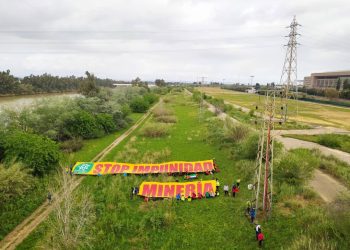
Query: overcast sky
[[178, 40]]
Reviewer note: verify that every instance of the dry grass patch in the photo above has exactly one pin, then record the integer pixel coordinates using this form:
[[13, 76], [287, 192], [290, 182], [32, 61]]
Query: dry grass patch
[[161, 111], [154, 130]]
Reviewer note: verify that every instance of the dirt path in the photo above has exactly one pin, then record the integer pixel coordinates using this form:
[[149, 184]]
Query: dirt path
[[312, 131], [326, 186], [22, 231]]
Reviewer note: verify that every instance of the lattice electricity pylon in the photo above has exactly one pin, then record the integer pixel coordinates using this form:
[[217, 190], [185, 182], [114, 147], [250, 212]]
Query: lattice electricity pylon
[[262, 195], [263, 178], [288, 80]]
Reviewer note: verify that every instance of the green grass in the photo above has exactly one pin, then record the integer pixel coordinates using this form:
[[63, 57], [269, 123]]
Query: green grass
[[207, 224], [336, 141]]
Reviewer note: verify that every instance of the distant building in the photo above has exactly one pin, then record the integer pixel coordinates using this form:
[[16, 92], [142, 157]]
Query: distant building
[[251, 90], [326, 79]]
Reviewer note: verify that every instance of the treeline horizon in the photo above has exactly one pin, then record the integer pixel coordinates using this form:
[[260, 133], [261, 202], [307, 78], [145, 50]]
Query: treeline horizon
[[45, 83]]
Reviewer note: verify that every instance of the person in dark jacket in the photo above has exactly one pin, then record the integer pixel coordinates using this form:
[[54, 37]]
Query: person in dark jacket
[[252, 215]]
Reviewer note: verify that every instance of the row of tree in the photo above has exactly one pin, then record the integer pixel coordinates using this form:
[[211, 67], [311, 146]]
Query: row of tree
[[46, 83]]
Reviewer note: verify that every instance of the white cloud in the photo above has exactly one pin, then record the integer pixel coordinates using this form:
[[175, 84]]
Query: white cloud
[[173, 39]]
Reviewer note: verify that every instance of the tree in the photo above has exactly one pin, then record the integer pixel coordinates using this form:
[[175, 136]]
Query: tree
[[139, 105], [36, 152], [346, 84], [8, 83], [331, 93], [338, 84], [160, 83], [257, 86], [14, 182], [73, 215], [138, 83], [88, 86], [82, 124]]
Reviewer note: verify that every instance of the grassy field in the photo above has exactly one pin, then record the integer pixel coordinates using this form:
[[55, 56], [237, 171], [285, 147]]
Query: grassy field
[[122, 223], [313, 113], [336, 141]]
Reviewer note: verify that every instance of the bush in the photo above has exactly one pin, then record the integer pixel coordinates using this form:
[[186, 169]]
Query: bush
[[248, 148], [72, 145], [120, 120], [38, 153], [139, 105], [155, 130], [82, 124], [329, 140], [296, 167], [150, 98], [161, 111], [106, 121], [14, 182], [235, 132]]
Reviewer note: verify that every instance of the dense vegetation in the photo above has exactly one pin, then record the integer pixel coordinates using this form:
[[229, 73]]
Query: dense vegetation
[[34, 140], [299, 221]]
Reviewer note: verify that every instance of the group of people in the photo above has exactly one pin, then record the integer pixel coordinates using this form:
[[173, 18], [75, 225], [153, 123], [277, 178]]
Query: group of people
[[195, 196], [234, 189]]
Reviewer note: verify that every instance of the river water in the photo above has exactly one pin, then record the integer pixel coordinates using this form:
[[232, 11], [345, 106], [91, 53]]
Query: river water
[[19, 102]]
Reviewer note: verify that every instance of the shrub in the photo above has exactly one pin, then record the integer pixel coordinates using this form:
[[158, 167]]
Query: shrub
[[235, 132], [72, 145], [106, 121], [38, 153], [139, 105], [248, 148], [120, 120], [82, 124], [329, 140], [155, 130], [150, 98], [161, 111], [14, 182], [296, 166]]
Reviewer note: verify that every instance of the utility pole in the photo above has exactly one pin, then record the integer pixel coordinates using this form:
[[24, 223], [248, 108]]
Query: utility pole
[[201, 102], [263, 178], [289, 71], [251, 80]]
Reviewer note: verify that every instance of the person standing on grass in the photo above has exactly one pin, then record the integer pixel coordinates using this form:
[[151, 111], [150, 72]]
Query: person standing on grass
[[217, 184], [234, 191], [49, 197], [257, 231], [238, 182], [249, 205], [252, 215], [260, 239], [178, 197], [226, 189]]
